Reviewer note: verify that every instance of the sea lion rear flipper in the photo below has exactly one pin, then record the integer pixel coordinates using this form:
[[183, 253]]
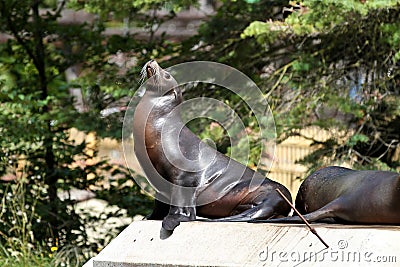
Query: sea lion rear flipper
[[326, 212], [259, 211], [251, 215], [269, 208]]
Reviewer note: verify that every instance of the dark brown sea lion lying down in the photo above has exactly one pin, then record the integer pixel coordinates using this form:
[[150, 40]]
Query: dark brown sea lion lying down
[[349, 196]]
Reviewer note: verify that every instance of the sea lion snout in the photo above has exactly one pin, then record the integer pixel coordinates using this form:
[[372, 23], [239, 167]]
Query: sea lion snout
[[151, 68]]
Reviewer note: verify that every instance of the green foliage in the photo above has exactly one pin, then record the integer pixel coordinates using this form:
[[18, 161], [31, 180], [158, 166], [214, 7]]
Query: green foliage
[[357, 138], [18, 221], [38, 111], [32, 259], [128, 8], [37, 114], [312, 16], [342, 73]]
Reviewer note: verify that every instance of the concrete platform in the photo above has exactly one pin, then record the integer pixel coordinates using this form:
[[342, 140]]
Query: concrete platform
[[250, 244]]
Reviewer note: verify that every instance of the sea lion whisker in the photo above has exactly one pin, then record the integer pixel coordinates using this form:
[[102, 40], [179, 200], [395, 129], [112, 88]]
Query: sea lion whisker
[[143, 74]]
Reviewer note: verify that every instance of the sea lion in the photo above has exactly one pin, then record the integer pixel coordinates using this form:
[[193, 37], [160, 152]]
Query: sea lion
[[348, 196], [168, 151]]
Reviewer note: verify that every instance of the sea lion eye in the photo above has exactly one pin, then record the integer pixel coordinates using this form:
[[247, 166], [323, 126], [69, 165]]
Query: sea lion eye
[[167, 76]]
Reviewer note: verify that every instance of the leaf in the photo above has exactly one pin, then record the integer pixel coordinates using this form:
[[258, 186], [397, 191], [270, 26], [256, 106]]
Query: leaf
[[357, 138]]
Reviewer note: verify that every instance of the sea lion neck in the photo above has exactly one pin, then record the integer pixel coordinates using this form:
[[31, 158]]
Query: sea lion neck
[[162, 105]]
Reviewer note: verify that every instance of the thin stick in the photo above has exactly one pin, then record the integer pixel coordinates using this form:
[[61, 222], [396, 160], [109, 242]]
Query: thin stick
[[302, 218]]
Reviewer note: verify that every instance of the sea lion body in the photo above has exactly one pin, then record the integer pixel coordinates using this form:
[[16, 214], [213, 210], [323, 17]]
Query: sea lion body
[[349, 196], [166, 148]]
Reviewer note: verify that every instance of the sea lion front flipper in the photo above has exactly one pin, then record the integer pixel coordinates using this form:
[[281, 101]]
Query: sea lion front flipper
[[177, 215], [160, 210]]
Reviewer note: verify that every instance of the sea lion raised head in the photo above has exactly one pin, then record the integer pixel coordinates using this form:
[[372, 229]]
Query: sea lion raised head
[[159, 80]]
